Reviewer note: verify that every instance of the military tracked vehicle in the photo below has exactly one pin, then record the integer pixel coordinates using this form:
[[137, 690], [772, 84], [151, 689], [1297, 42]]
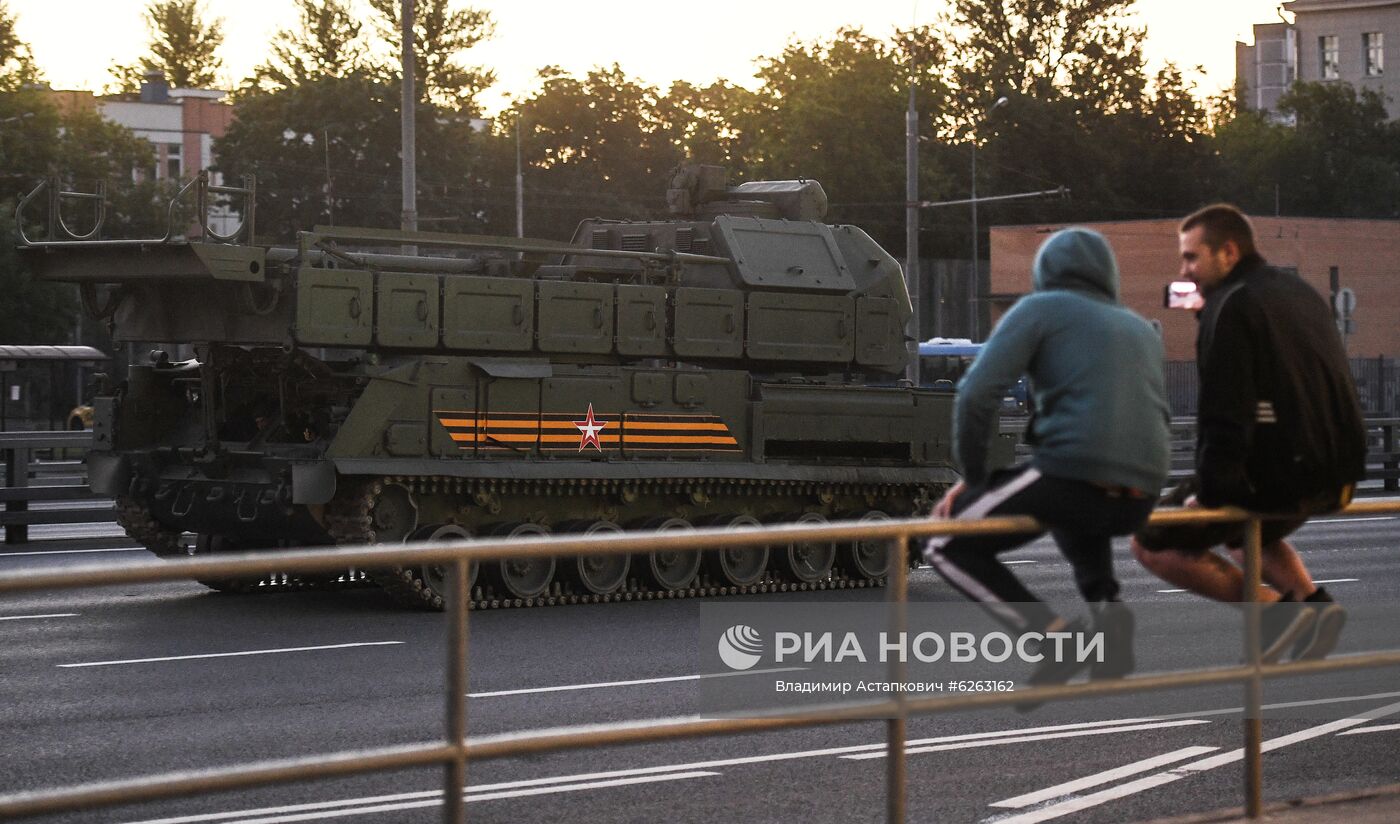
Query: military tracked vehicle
[[737, 363]]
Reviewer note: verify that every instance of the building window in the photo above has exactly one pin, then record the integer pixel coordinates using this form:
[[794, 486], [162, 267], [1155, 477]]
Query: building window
[[1373, 44], [172, 161], [1329, 57]]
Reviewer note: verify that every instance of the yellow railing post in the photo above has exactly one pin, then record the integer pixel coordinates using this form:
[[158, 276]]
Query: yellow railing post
[[455, 778], [896, 764], [1254, 687]]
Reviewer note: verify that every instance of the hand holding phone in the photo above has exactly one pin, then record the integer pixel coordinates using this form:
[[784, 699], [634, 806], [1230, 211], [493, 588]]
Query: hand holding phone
[[1183, 294]]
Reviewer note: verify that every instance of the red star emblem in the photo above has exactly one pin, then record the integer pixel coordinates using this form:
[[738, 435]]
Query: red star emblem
[[588, 431]]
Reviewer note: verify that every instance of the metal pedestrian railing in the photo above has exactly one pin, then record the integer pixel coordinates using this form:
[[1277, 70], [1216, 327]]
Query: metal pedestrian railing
[[455, 749]]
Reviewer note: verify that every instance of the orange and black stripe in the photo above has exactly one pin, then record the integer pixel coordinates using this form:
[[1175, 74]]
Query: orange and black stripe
[[558, 431]]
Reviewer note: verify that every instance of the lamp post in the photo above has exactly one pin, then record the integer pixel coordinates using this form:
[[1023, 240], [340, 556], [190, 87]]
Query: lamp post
[[974, 286]]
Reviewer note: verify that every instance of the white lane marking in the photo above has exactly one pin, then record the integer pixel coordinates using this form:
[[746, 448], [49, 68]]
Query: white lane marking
[[1316, 581], [1009, 563], [702, 765], [1285, 705], [1352, 520], [1381, 728], [565, 788], [1075, 804], [636, 682], [664, 769], [374, 801], [32, 617], [231, 654], [74, 551], [404, 801], [1022, 739], [1105, 777]]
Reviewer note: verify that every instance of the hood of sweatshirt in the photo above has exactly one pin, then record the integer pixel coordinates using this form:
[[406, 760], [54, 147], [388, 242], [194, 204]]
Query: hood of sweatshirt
[[1079, 260]]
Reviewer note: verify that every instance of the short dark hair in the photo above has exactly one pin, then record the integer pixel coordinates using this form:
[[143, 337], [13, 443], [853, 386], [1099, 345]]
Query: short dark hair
[[1221, 223]]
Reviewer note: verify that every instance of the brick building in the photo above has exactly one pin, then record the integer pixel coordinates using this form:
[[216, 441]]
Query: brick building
[[1364, 253], [181, 125]]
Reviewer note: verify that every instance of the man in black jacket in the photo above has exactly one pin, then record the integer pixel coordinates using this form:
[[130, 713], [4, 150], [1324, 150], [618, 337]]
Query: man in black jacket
[[1279, 431]]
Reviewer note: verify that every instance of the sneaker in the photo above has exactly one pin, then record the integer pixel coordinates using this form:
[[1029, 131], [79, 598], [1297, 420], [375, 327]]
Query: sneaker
[[1117, 624], [1327, 628], [1052, 671], [1280, 625]]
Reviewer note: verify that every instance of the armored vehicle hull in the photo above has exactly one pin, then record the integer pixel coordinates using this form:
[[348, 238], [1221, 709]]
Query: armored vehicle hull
[[736, 364]]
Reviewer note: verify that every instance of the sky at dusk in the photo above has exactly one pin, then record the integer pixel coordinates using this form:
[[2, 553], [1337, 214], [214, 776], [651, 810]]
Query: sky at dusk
[[75, 41]]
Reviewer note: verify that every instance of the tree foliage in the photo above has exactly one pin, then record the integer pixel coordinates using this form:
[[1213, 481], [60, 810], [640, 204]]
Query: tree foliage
[[85, 151], [325, 42], [182, 47], [834, 111], [1087, 51], [440, 34], [327, 149], [17, 67], [1338, 157]]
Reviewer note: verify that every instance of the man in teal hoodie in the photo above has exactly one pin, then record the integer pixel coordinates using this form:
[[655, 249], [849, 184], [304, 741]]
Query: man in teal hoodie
[[1099, 434]]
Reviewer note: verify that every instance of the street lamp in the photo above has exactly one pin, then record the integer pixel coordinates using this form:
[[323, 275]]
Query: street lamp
[[975, 286]]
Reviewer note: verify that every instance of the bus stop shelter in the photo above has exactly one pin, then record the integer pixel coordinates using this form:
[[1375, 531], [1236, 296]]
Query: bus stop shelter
[[14, 359]]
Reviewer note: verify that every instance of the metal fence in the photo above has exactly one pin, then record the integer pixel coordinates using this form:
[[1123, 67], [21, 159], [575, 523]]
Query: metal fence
[[454, 750], [1377, 386]]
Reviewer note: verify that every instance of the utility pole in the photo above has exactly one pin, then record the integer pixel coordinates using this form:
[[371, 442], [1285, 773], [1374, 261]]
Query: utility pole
[[911, 229], [409, 138], [519, 184], [330, 195], [975, 285]]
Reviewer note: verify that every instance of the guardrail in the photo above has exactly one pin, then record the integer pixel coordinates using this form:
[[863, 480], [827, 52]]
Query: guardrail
[[454, 750], [28, 479]]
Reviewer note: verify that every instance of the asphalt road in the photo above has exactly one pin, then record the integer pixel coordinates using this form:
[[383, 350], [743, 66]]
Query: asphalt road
[[105, 684]]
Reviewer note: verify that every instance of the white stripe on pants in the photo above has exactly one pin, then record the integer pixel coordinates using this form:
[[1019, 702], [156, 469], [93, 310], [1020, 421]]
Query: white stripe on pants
[[990, 500]]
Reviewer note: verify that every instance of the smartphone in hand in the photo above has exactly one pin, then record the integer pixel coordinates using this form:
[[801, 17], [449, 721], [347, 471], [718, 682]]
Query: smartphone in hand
[[1183, 294]]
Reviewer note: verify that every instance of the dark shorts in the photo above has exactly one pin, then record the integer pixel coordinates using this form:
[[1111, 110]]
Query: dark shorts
[[1198, 538]]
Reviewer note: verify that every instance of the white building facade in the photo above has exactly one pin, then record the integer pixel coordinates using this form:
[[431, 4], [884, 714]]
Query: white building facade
[[1346, 41]]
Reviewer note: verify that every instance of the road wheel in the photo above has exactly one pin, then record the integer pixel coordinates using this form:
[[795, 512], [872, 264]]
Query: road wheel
[[737, 566], [670, 570], [598, 574], [523, 577], [808, 561], [870, 558]]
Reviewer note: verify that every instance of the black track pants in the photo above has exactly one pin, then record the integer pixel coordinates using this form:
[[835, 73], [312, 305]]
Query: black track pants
[[1082, 517]]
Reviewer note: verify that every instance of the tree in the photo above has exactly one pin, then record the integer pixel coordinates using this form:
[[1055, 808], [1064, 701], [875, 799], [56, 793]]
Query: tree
[[593, 145], [326, 42], [1338, 157], [834, 111], [182, 48], [85, 150], [1083, 50], [17, 67], [697, 122], [291, 137], [440, 33]]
